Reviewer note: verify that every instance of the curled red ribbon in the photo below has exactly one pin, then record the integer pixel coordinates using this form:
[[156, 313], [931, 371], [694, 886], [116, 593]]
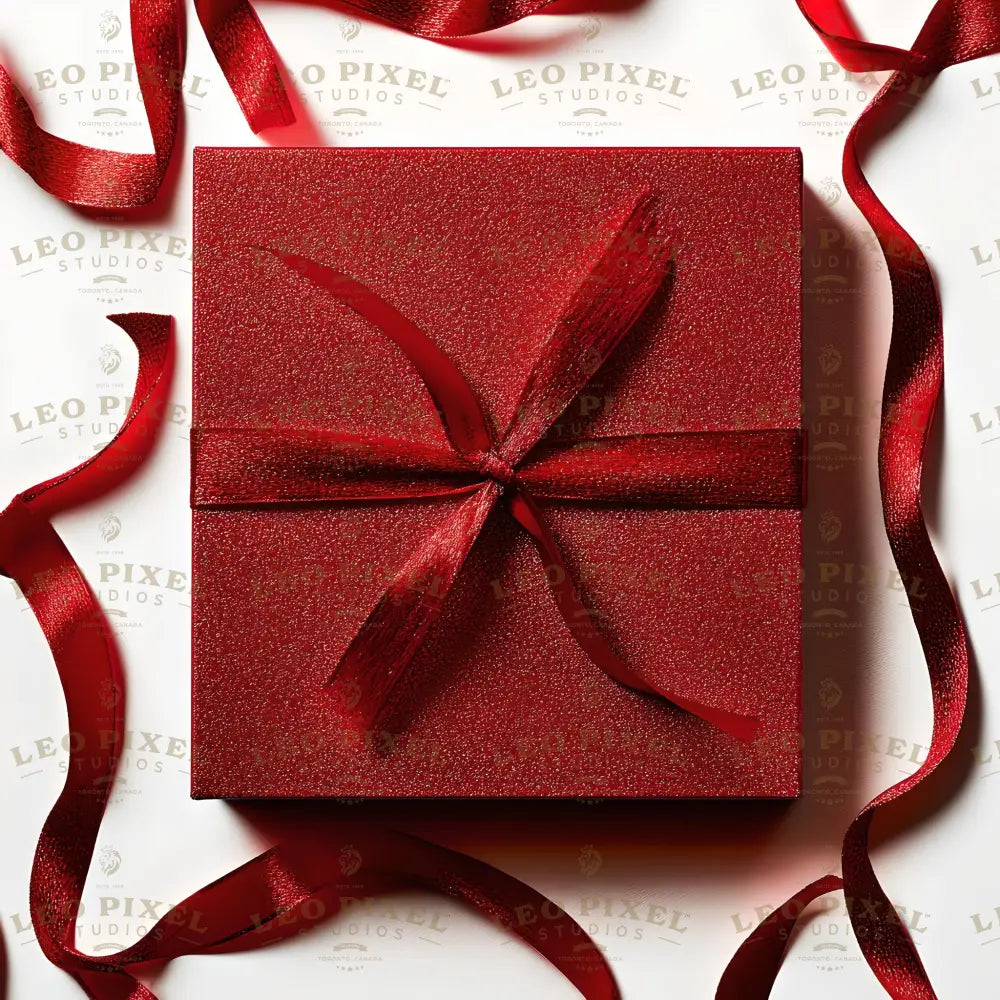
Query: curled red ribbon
[[280, 892], [251, 65], [746, 469], [955, 31], [100, 178]]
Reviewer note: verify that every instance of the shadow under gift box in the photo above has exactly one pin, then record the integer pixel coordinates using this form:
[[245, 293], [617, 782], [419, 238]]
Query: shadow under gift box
[[482, 249]]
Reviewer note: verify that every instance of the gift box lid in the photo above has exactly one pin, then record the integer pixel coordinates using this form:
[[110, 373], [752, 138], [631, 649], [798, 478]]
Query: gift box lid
[[480, 249]]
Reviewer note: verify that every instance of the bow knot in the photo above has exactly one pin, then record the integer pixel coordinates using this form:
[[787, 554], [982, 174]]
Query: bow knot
[[490, 465]]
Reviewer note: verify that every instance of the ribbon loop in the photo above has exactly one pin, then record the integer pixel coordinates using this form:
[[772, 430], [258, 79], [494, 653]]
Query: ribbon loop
[[463, 419], [101, 178], [601, 310]]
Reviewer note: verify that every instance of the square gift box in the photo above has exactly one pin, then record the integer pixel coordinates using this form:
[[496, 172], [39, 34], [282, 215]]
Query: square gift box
[[496, 473]]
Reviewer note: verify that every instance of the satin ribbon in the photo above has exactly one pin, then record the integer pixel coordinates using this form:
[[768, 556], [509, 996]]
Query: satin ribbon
[[100, 178], [955, 31], [252, 67], [247, 467], [280, 892]]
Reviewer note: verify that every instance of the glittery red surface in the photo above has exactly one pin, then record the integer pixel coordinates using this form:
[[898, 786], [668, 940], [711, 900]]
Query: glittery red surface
[[480, 247]]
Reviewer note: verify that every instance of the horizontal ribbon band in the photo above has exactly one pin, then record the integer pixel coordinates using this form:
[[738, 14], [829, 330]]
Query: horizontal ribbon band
[[238, 467], [253, 467]]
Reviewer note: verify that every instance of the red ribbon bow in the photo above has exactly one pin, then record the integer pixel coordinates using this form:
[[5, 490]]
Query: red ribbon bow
[[723, 469]]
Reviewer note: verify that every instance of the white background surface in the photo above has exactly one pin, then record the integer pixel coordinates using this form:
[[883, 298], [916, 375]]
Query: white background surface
[[867, 710]]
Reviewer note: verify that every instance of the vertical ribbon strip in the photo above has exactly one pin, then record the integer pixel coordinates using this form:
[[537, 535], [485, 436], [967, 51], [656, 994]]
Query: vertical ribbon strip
[[955, 31]]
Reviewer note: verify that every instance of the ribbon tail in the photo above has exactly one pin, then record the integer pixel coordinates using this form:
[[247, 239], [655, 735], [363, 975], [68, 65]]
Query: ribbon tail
[[955, 31], [559, 939], [117, 985], [580, 621], [883, 938], [601, 311], [248, 61], [150, 333], [839, 34], [276, 894], [300, 883], [78, 634], [462, 416], [379, 654], [751, 971], [33, 555]]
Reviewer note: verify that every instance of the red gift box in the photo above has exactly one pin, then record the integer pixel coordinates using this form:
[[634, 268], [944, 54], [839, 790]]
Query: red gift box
[[366, 324]]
